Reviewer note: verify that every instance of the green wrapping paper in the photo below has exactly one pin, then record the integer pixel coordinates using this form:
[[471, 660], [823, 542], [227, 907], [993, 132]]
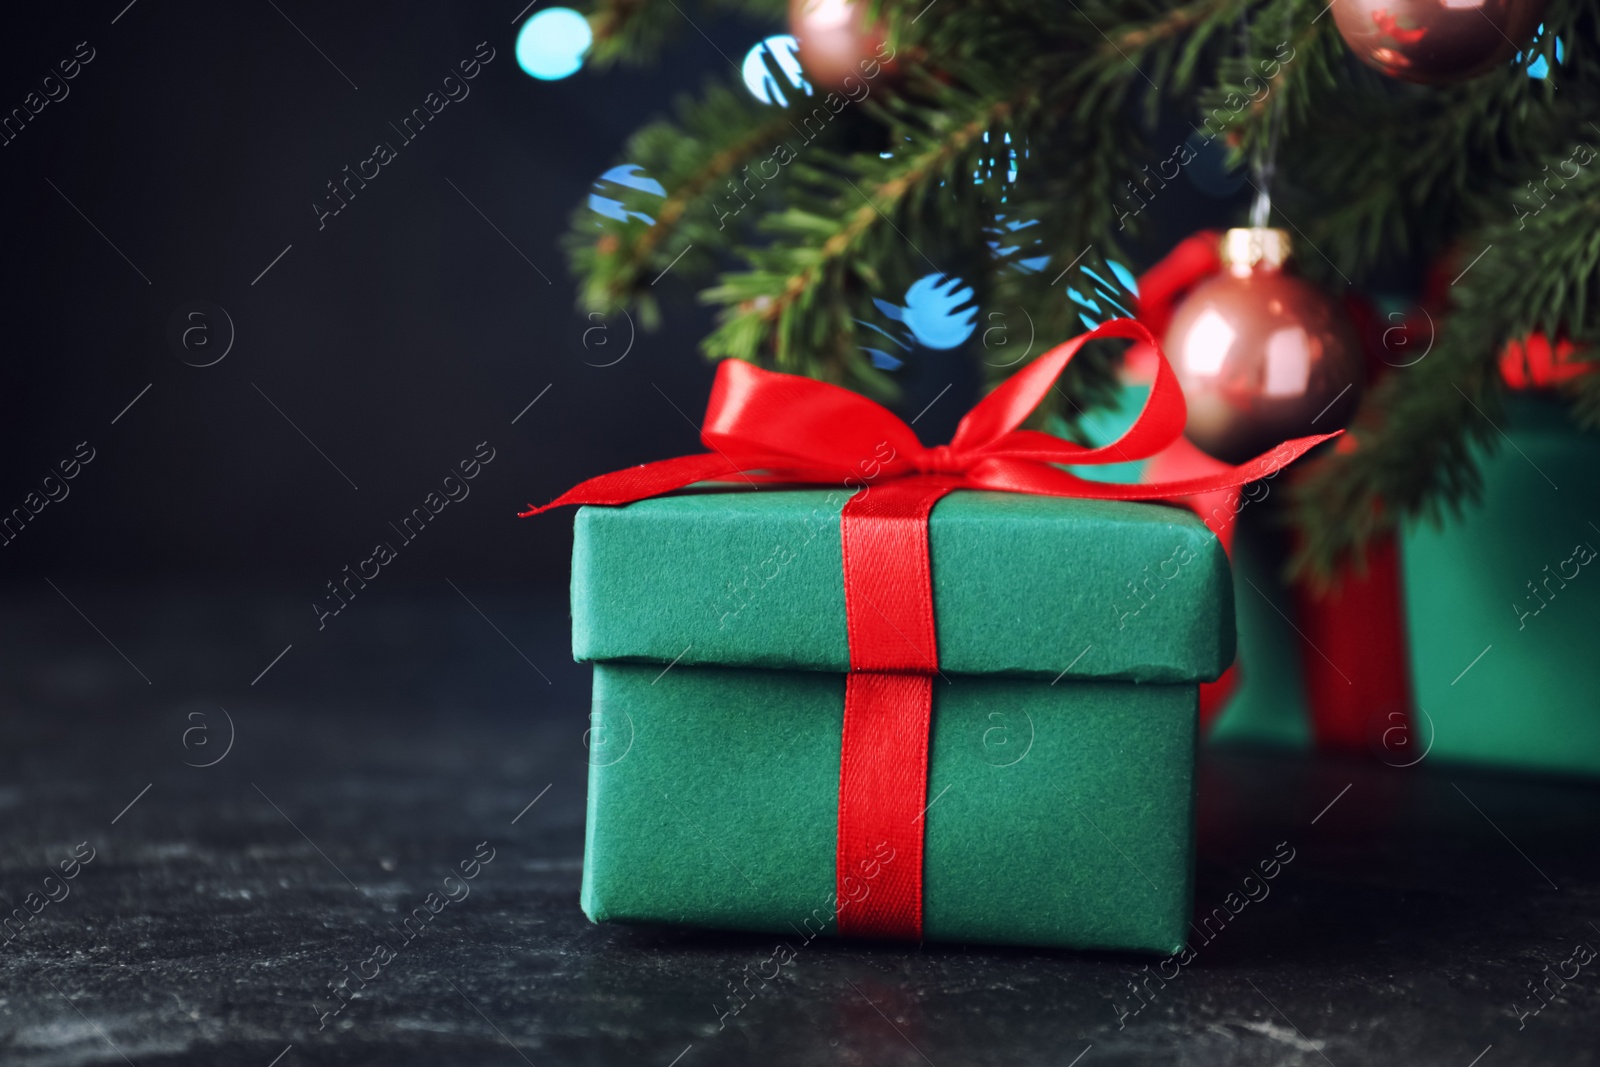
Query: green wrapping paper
[[1055, 805], [1071, 638], [1501, 616], [1517, 582], [1021, 585]]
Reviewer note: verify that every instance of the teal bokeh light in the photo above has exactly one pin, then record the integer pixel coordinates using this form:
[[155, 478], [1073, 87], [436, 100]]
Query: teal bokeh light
[[1540, 67], [551, 45], [783, 52]]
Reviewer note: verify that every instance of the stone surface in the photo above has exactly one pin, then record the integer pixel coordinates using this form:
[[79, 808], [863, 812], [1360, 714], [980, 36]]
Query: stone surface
[[373, 758]]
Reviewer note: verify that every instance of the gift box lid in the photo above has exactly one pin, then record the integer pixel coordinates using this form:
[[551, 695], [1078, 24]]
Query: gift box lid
[[1023, 585]]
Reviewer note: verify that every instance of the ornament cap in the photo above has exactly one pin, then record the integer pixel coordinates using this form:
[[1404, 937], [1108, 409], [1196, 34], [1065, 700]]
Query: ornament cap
[[1246, 249]]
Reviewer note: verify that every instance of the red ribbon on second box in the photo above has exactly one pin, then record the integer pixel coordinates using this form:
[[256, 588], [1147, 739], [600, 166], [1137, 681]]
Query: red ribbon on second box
[[765, 427]]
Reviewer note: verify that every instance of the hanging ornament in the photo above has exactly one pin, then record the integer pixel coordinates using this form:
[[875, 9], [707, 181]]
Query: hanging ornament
[[1436, 41], [838, 43], [1262, 355]]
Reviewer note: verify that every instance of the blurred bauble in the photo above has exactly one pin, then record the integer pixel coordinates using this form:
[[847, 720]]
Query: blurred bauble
[[837, 42], [1436, 41], [1263, 356]]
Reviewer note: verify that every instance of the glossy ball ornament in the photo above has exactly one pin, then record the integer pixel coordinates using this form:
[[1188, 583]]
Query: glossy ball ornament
[[837, 42], [1436, 41], [1262, 355]]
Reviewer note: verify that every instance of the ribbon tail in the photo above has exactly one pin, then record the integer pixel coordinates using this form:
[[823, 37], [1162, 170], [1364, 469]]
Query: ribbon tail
[[645, 480], [1031, 476], [1263, 466]]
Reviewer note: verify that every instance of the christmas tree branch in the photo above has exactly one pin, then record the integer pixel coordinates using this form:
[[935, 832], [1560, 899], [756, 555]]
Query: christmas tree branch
[[792, 309], [712, 139], [634, 31], [1411, 453], [1010, 137]]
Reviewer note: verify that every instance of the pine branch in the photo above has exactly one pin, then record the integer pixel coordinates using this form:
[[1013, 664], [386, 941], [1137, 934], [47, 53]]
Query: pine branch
[[1374, 170], [1410, 454], [793, 309], [1368, 171], [1584, 391], [633, 32], [619, 259], [1084, 152]]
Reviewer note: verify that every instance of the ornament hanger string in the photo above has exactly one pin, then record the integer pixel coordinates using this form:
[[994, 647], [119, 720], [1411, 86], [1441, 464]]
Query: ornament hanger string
[[1264, 161], [1265, 165]]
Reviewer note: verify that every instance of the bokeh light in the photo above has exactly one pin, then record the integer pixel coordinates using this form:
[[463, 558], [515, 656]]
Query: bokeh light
[[939, 311], [1006, 244], [551, 45], [1540, 67], [1105, 299], [627, 176], [784, 52]]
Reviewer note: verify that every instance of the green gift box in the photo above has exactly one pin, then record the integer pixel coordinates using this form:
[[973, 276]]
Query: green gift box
[[1500, 616], [1503, 605], [1072, 635]]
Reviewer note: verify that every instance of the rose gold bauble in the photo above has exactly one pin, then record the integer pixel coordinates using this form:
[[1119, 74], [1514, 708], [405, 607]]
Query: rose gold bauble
[[1262, 355], [837, 42], [1436, 41]]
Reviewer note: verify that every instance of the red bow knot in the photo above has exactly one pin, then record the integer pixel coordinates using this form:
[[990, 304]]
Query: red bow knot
[[940, 460]]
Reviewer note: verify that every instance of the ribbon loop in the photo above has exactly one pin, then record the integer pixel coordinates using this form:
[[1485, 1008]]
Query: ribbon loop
[[815, 425]]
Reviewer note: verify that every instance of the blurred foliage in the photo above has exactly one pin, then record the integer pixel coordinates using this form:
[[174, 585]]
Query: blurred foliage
[[790, 218]]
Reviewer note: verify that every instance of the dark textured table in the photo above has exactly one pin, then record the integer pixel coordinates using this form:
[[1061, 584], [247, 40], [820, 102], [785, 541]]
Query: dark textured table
[[1418, 913]]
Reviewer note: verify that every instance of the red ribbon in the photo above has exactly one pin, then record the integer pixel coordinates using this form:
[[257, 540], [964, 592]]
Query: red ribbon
[[763, 426]]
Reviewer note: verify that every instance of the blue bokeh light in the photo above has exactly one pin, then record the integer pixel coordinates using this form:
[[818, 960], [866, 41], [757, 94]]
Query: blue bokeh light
[[1004, 163], [784, 52], [1105, 299], [629, 176], [1125, 276], [939, 311], [551, 45], [1540, 67], [1005, 230]]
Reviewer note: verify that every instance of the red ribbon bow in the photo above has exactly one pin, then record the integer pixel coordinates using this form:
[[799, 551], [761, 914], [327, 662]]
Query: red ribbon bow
[[786, 428], [772, 427]]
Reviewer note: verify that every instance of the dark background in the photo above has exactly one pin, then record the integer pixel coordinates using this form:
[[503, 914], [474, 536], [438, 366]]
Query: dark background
[[396, 338]]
